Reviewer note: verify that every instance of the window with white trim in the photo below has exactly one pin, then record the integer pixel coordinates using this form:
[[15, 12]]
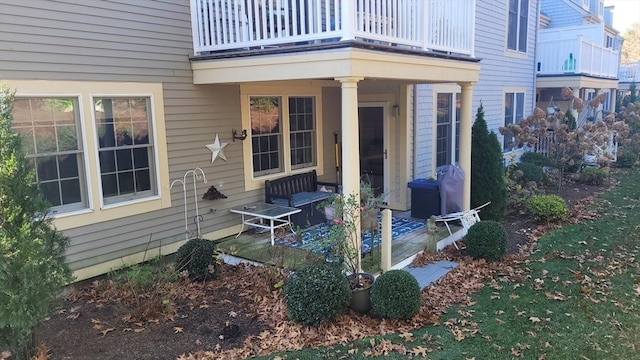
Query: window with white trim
[[52, 141], [268, 133], [448, 109], [517, 25], [513, 113], [125, 149]]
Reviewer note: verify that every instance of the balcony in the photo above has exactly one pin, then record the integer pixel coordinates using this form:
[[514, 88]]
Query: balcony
[[558, 56], [629, 73], [420, 25]]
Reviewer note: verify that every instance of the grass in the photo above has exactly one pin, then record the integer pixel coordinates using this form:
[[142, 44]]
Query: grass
[[577, 297]]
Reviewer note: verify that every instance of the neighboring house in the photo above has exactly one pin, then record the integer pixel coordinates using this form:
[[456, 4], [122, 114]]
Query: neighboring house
[[118, 99], [505, 40], [629, 74], [577, 47]]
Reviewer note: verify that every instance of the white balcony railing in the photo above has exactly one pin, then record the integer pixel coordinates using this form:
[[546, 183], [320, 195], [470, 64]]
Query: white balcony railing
[[629, 72], [576, 56], [429, 25]]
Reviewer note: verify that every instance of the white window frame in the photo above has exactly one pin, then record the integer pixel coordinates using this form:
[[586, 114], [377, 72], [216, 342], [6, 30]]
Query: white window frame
[[252, 181], [455, 92], [519, 28], [516, 116], [82, 174], [129, 197], [96, 211]]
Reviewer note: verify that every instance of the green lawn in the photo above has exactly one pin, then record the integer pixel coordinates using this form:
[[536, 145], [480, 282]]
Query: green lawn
[[578, 297]]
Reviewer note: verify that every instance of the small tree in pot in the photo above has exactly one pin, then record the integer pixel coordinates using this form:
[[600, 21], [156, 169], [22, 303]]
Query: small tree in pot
[[339, 240]]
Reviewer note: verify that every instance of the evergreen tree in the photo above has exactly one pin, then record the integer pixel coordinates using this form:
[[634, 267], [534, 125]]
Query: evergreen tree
[[33, 267], [487, 178]]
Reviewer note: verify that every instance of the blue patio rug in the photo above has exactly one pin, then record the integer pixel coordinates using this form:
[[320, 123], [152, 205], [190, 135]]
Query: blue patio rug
[[310, 238]]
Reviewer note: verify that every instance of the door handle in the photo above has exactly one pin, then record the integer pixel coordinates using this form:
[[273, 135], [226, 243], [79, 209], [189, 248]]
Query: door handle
[[385, 154]]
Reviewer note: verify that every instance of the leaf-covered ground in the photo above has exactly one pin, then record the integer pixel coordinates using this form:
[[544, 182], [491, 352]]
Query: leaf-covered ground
[[242, 314]]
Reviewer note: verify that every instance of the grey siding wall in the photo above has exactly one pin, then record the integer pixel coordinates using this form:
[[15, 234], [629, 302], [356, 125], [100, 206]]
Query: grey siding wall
[[562, 12], [137, 41], [498, 71]]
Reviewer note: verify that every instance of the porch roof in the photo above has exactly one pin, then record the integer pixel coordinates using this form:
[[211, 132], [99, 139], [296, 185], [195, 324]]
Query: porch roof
[[330, 61], [575, 81]]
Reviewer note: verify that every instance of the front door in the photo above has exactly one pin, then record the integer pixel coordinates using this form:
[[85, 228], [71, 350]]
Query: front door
[[373, 145]]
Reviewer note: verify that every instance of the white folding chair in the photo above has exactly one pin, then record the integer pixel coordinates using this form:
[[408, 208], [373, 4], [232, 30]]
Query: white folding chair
[[466, 218]]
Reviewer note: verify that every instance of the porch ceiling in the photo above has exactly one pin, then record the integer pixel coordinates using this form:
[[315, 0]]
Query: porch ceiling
[[575, 82], [335, 63]]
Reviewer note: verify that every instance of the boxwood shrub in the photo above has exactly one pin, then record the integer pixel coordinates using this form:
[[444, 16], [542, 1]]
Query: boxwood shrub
[[316, 294], [530, 172], [486, 240], [626, 159], [592, 176], [536, 159], [396, 295], [547, 207], [198, 258]]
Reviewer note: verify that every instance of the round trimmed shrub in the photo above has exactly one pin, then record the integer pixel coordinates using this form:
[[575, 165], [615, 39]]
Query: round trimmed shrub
[[530, 172], [486, 240], [547, 207], [396, 295], [316, 294], [626, 159], [536, 159], [592, 176], [197, 257]]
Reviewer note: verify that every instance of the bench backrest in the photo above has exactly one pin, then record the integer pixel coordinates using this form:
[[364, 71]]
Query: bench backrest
[[292, 184]]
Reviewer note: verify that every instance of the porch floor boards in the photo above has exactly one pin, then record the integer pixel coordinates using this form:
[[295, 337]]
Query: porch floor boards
[[257, 247]]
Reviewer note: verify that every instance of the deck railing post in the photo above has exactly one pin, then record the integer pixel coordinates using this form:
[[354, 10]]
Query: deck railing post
[[385, 242]]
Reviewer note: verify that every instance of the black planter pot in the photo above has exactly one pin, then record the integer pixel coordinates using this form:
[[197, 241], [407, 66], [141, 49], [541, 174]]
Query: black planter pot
[[360, 291]]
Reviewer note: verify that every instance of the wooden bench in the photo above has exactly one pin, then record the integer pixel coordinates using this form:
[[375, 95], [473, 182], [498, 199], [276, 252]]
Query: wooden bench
[[300, 191]]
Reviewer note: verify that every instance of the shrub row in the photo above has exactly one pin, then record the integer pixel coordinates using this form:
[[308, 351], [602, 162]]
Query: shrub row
[[319, 293]]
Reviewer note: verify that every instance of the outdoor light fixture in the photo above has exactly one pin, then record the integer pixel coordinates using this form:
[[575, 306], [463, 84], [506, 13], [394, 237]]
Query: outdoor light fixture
[[396, 110], [241, 137]]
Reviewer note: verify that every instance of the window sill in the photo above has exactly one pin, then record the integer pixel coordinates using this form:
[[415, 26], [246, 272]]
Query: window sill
[[516, 54], [111, 212]]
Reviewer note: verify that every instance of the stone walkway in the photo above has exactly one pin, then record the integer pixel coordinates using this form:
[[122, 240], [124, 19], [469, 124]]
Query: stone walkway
[[430, 273]]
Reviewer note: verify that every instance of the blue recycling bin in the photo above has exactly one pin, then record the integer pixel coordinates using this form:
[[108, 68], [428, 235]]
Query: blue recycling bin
[[425, 198]]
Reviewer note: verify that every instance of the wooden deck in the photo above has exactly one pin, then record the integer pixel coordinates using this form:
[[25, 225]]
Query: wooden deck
[[257, 247]]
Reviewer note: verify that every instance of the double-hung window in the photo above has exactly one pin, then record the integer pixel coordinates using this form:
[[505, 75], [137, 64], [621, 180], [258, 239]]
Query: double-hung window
[[517, 26], [52, 141], [448, 111], [98, 149], [283, 133], [513, 113], [125, 150]]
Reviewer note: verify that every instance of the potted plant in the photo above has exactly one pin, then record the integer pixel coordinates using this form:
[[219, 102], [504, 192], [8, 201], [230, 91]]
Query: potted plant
[[338, 245]]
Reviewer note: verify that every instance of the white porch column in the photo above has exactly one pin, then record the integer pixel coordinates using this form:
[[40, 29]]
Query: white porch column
[[613, 96], [351, 152], [465, 141]]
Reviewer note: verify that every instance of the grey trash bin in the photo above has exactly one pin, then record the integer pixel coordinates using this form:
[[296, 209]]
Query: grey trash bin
[[451, 183]]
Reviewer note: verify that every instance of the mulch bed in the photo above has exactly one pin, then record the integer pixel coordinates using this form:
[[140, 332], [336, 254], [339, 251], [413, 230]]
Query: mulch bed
[[242, 314]]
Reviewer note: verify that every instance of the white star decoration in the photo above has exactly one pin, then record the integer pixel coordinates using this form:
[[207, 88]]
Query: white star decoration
[[217, 149]]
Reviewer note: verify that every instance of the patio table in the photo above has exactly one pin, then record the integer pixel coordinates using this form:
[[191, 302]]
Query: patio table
[[255, 215]]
